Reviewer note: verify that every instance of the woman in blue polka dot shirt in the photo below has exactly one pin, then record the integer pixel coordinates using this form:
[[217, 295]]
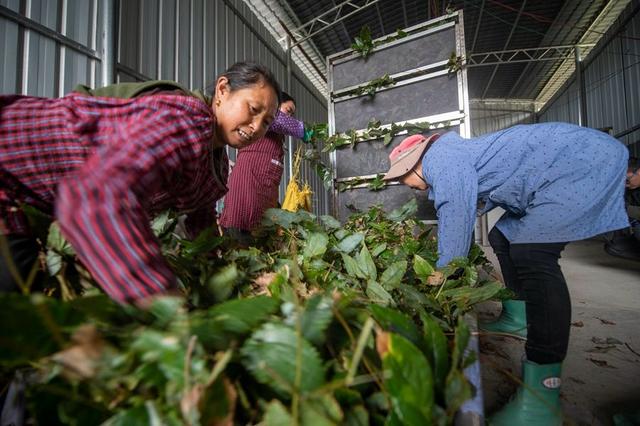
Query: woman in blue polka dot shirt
[[557, 183]]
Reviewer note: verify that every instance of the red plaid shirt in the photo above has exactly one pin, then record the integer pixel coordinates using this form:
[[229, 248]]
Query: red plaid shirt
[[255, 179], [104, 166]]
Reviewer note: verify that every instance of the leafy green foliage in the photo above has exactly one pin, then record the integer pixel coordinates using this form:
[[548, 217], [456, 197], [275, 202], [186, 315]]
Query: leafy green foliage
[[374, 131], [364, 45], [290, 331], [372, 87], [410, 383], [454, 64], [363, 42], [374, 184], [274, 353]]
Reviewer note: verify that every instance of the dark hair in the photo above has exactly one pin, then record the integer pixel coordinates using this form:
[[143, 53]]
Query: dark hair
[[245, 74], [285, 97]]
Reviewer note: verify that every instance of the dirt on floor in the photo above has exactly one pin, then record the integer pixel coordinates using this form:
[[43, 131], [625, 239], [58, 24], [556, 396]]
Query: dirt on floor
[[601, 374]]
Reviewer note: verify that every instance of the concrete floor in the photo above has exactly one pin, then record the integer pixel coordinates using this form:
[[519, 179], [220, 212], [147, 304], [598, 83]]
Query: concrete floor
[[601, 375]]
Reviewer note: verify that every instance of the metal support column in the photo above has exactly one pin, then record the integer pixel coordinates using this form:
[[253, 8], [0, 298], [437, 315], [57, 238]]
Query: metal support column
[[582, 101], [108, 52]]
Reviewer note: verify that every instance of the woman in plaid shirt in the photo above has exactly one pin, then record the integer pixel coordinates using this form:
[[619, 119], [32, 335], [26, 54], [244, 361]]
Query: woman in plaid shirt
[[104, 166]]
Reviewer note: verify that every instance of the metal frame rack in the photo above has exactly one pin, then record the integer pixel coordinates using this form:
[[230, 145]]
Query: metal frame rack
[[425, 89]]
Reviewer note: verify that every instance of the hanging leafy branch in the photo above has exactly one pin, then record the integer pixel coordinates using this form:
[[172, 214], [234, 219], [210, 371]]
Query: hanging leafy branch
[[374, 131], [364, 44], [372, 87], [374, 184], [454, 64], [377, 183], [323, 171]]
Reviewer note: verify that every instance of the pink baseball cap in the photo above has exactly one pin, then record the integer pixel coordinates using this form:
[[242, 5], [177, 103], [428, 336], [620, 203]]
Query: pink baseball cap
[[405, 156]]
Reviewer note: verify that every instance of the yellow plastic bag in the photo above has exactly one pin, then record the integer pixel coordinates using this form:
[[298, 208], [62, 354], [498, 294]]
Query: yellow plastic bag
[[297, 198]]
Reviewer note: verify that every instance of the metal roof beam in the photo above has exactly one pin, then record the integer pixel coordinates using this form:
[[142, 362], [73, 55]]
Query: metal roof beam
[[404, 13], [380, 19], [513, 29], [344, 27], [475, 35], [329, 18], [513, 56], [590, 37]]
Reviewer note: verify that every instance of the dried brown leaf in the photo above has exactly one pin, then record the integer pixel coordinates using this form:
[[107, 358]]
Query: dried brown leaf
[[601, 349], [382, 343], [194, 400], [260, 285], [80, 361], [605, 321], [607, 341], [190, 400], [435, 279], [577, 324], [232, 399], [601, 363]]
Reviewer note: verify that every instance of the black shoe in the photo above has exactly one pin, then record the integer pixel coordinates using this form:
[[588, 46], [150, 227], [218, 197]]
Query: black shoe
[[626, 247]]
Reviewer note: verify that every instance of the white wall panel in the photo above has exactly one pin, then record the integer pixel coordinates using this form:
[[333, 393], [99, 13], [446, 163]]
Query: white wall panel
[[490, 116]]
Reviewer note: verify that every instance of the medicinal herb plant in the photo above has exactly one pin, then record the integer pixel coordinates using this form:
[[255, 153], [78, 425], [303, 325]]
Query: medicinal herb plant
[[320, 323]]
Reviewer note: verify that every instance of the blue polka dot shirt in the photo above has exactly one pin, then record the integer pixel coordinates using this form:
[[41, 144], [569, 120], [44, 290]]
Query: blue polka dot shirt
[[557, 182]]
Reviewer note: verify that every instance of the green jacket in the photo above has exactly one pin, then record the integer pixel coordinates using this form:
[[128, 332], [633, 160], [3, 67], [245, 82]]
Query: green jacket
[[131, 90]]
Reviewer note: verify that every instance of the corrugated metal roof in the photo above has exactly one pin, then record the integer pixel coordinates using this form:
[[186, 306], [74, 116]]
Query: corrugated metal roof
[[490, 25]]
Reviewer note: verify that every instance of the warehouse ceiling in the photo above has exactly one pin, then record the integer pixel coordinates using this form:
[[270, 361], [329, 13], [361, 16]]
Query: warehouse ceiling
[[490, 25]]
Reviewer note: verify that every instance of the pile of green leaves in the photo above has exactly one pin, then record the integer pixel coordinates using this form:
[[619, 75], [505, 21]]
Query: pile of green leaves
[[319, 324]]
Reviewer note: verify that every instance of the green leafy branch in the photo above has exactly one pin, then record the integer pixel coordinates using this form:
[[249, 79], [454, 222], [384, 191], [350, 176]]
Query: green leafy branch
[[332, 323], [364, 44], [454, 64], [374, 184], [374, 131], [323, 171], [372, 87]]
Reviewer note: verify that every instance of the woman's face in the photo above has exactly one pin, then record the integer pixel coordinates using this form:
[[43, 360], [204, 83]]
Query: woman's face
[[288, 107], [633, 178], [243, 115], [414, 178]]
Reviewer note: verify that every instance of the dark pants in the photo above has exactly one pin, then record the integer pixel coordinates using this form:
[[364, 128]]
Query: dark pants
[[24, 251], [532, 272]]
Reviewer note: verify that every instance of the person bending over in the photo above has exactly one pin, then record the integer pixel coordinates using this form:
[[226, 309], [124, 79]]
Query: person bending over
[[102, 166], [557, 183], [254, 182]]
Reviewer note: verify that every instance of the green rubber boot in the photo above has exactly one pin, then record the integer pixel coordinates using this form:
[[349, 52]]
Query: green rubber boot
[[512, 321], [537, 401]]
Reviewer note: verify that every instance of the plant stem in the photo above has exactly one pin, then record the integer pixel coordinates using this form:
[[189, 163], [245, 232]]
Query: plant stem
[[362, 341]]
